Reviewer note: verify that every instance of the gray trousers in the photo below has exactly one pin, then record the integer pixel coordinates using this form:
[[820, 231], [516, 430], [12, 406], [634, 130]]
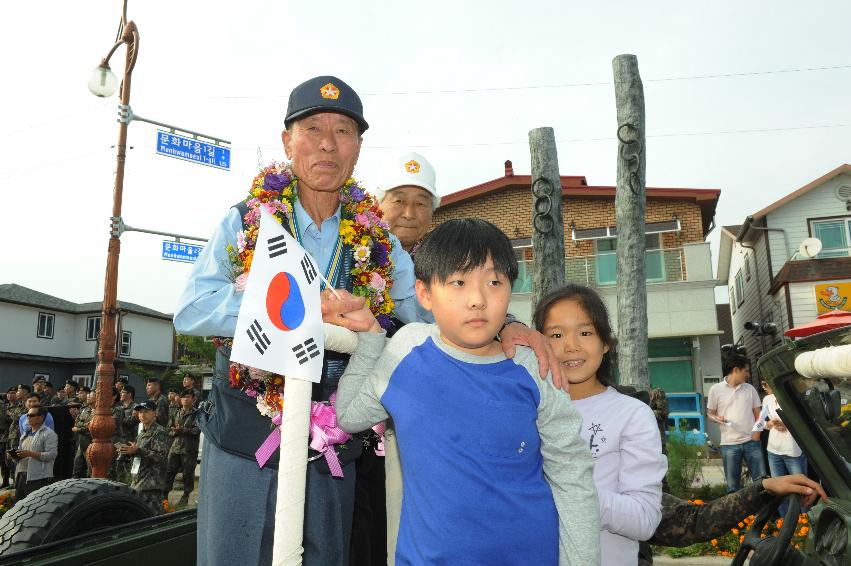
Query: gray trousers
[[236, 512]]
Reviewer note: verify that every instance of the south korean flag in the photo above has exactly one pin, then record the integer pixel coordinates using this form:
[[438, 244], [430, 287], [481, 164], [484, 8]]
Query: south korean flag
[[279, 328]]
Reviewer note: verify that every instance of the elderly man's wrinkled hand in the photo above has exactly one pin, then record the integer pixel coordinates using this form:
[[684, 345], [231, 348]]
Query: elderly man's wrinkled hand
[[345, 309], [518, 333]]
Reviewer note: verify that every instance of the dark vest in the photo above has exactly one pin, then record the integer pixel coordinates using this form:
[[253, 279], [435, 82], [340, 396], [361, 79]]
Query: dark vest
[[229, 417]]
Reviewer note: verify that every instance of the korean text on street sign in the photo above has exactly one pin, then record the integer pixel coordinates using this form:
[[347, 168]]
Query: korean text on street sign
[[188, 149], [177, 251]]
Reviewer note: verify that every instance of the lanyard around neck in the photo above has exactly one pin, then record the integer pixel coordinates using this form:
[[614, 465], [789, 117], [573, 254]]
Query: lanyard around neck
[[332, 271]]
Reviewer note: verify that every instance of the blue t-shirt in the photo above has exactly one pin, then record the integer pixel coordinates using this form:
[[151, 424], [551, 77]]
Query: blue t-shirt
[[494, 470]]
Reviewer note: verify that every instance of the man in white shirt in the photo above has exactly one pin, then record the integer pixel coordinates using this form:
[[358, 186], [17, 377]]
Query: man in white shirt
[[735, 405]]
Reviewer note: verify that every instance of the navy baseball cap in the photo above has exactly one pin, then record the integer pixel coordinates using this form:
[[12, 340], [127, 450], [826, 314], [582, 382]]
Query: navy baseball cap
[[145, 406], [325, 94]]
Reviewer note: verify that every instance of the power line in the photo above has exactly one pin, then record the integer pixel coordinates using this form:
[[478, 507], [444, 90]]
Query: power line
[[52, 164], [568, 85], [608, 138], [52, 121]]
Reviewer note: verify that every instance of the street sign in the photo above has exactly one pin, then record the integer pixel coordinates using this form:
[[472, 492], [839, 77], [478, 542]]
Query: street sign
[[189, 149], [178, 251]]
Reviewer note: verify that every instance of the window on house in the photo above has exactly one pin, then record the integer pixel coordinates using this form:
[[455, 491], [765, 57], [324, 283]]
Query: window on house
[[92, 327], [45, 325], [654, 263], [125, 343], [835, 236], [740, 288], [84, 380], [732, 301], [46, 376], [523, 252]]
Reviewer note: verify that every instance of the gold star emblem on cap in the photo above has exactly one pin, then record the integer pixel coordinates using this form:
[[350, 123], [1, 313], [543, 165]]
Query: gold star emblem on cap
[[330, 91], [412, 166]]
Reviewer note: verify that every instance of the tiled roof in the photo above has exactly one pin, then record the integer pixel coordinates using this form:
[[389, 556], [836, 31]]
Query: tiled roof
[[18, 294]]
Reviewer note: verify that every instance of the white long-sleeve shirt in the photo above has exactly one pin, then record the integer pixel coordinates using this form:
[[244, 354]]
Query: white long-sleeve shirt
[[628, 469]]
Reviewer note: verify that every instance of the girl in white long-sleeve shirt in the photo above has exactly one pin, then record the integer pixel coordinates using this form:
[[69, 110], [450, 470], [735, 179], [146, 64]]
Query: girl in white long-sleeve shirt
[[621, 431]]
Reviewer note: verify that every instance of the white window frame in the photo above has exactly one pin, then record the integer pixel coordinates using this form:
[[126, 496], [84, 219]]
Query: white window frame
[[49, 324], [84, 380], [128, 342], [839, 252], [92, 321], [740, 288], [46, 376]]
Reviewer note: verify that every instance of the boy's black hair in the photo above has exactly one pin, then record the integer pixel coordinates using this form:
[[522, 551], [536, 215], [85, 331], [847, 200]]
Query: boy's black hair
[[591, 302], [733, 360], [187, 391], [462, 245]]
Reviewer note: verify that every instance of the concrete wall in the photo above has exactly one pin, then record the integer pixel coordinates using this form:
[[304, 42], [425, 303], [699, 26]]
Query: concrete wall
[[151, 338], [18, 332]]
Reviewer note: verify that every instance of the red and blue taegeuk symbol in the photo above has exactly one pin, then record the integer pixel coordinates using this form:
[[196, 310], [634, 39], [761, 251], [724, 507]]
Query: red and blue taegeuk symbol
[[284, 302]]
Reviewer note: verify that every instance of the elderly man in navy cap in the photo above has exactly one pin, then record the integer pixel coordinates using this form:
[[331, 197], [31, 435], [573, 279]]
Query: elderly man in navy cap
[[236, 505]]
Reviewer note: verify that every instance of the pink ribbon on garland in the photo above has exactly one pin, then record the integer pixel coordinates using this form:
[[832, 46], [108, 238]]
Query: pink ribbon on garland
[[380, 429], [272, 442], [324, 434]]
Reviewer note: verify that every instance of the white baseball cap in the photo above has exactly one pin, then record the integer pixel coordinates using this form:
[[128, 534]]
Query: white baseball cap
[[410, 169]]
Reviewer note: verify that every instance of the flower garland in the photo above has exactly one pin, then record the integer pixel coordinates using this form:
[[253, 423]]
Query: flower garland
[[362, 228]]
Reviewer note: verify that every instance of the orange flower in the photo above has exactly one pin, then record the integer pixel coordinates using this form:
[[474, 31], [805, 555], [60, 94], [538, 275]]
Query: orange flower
[[742, 538], [804, 531], [714, 542], [741, 525], [779, 523], [698, 502], [734, 531]]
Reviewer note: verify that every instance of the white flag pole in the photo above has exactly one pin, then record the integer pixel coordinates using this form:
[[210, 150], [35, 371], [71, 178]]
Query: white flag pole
[[292, 474], [287, 547]]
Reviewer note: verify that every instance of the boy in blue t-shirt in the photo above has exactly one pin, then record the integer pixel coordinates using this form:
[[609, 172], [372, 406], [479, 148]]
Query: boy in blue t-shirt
[[494, 469]]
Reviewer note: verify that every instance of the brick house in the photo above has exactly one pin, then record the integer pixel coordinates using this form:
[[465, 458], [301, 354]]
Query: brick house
[[683, 328]]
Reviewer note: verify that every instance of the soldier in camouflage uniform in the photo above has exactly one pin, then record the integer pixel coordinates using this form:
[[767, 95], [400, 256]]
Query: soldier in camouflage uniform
[[16, 409], [38, 389], [148, 453], [685, 523], [82, 434], [189, 383], [183, 455], [173, 408], [5, 467], [153, 387]]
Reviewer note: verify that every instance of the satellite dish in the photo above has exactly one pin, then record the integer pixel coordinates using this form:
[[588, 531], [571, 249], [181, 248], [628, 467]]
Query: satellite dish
[[810, 247]]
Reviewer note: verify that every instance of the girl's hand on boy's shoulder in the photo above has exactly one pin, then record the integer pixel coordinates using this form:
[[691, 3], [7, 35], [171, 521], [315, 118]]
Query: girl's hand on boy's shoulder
[[518, 333]]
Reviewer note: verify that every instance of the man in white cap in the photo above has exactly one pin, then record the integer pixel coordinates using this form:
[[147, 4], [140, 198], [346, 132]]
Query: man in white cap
[[408, 196]]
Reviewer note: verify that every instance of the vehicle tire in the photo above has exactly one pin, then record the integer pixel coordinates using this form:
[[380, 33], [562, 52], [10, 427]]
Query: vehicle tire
[[69, 508]]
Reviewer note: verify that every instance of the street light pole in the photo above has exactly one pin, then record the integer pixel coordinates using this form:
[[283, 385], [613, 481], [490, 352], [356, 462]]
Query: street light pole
[[100, 451]]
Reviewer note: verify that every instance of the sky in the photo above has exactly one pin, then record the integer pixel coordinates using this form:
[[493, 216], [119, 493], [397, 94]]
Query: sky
[[748, 97]]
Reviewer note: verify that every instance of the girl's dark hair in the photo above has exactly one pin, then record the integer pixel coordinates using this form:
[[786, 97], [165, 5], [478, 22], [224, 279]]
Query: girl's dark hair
[[592, 304], [462, 245]]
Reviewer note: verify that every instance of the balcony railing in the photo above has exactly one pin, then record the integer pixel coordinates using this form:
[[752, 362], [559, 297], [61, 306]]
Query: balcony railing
[[661, 266]]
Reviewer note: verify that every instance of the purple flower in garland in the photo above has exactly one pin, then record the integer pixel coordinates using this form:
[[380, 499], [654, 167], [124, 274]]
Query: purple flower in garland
[[275, 182], [379, 254], [383, 321], [357, 193]]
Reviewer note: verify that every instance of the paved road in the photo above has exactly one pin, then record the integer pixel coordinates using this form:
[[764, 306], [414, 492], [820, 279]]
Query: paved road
[[662, 560]]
